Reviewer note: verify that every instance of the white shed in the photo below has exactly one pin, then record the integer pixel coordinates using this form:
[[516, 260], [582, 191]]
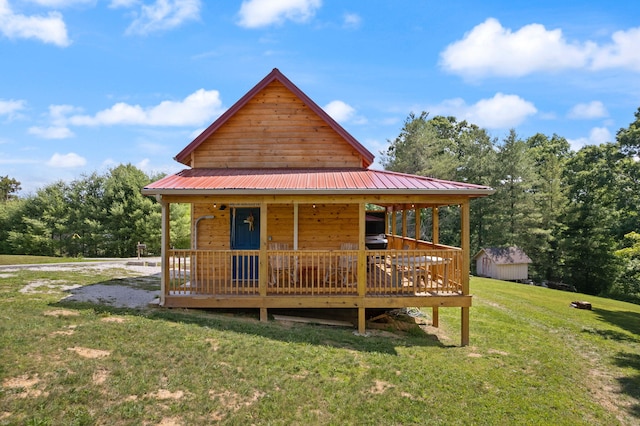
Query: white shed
[[502, 263]]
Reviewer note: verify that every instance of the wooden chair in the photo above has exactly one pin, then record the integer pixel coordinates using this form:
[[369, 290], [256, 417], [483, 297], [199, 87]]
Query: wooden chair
[[348, 265], [283, 268]]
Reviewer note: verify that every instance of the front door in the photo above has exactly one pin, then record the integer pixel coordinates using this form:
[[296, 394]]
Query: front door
[[245, 235]]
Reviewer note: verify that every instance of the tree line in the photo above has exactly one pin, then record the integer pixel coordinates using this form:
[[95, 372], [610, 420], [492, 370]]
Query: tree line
[[94, 216], [576, 214]]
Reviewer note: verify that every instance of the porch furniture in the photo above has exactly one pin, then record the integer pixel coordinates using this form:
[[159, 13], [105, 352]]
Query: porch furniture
[[418, 268], [283, 267], [348, 264]]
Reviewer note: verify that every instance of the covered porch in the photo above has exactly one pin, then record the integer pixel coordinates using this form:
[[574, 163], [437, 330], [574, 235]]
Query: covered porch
[[292, 268]]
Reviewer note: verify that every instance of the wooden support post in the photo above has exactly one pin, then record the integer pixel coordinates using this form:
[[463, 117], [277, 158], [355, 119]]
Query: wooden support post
[[435, 226], [417, 220], [362, 255], [404, 222], [263, 264], [263, 315], [465, 245], [394, 225], [435, 320], [361, 321], [165, 245]]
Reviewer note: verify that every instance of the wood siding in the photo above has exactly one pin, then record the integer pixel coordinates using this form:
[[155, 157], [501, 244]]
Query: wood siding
[[275, 129], [485, 267]]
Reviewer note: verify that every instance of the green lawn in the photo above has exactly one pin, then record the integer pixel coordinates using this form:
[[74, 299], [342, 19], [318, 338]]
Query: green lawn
[[11, 259], [532, 360]]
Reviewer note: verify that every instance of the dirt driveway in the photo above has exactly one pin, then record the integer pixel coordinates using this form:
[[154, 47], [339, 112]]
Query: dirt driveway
[[135, 284]]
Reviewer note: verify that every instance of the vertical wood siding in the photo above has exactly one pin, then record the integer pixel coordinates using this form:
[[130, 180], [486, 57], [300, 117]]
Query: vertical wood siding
[[275, 129]]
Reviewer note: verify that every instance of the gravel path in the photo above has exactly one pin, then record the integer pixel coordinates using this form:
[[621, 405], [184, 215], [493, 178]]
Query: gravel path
[[126, 295]]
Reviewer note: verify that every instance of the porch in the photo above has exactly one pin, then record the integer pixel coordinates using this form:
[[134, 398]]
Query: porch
[[429, 275]]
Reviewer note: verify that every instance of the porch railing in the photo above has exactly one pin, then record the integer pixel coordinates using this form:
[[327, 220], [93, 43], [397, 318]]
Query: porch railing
[[412, 271]]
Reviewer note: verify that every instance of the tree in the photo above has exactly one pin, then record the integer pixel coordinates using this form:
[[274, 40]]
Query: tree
[[550, 156], [8, 188], [514, 181], [588, 244], [130, 216]]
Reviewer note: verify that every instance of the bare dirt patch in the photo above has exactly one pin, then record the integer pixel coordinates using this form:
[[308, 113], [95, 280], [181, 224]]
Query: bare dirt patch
[[63, 333], [232, 402], [118, 320], [60, 313], [379, 387], [100, 376], [89, 353], [163, 394], [170, 421], [23, 381], [26, 384]]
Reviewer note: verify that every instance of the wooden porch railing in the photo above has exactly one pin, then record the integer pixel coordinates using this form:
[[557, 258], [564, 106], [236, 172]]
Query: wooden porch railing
[[426, 269]]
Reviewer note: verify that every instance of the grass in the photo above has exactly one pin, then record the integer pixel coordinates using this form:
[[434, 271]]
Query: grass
[[11, 259], [532, 360]]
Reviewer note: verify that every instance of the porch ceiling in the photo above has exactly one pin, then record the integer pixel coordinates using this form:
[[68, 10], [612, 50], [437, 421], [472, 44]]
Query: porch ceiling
[[307, 181]]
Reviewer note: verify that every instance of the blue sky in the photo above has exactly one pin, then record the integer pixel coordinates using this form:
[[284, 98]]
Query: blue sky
[[86, 85]]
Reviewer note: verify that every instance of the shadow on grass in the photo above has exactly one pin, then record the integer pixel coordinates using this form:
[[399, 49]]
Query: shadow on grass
[[630, 385], [629, 322], [245, 321]]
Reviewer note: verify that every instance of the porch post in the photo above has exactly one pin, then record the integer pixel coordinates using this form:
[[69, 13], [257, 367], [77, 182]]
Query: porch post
[[435, 226], [435, 239], [362, 267], [263, 264], [394, 226], [465, 243], [164, 248], [404, 222], [417, 220]]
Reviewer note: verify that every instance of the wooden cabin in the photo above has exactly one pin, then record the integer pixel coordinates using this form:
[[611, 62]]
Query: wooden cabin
[[279, 193], [502, 263]]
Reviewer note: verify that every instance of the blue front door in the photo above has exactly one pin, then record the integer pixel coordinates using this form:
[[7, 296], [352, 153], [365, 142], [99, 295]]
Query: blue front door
[[245, 235]]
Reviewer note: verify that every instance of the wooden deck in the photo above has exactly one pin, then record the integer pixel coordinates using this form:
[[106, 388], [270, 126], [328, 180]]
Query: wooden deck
[[332, 278]]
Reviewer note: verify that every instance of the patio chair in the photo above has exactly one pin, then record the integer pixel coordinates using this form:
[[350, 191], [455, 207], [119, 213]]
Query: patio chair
[[283, 269], [348, 265]]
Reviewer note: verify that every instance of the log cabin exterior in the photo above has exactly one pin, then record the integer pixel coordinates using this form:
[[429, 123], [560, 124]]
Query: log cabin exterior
[[279, 193]]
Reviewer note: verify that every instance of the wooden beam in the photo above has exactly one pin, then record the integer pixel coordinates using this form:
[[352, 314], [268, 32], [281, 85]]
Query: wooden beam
[[435, 317], [263, 264], [165, 245], [362, 257], [465, 245], [417, 221], [435, 226], [361, 321]]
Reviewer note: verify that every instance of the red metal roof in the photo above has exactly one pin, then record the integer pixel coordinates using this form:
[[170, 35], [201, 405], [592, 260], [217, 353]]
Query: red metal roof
[[184, 155], [311, 181]]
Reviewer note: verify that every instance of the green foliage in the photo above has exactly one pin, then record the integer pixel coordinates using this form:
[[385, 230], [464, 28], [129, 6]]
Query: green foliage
[[8, 188], [568, 210], [94, 216]]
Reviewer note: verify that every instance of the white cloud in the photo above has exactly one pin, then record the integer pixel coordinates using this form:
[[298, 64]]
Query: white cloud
[[623, 52], [262, 13], [69, 160], [500, 112], [195, 110], [10, 108], [48, 29], [161, 15], [597, 136], [593, 109], [352, 20], [491, 49], [115, 4], [51, 132], [339, 111], [60, 3]]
